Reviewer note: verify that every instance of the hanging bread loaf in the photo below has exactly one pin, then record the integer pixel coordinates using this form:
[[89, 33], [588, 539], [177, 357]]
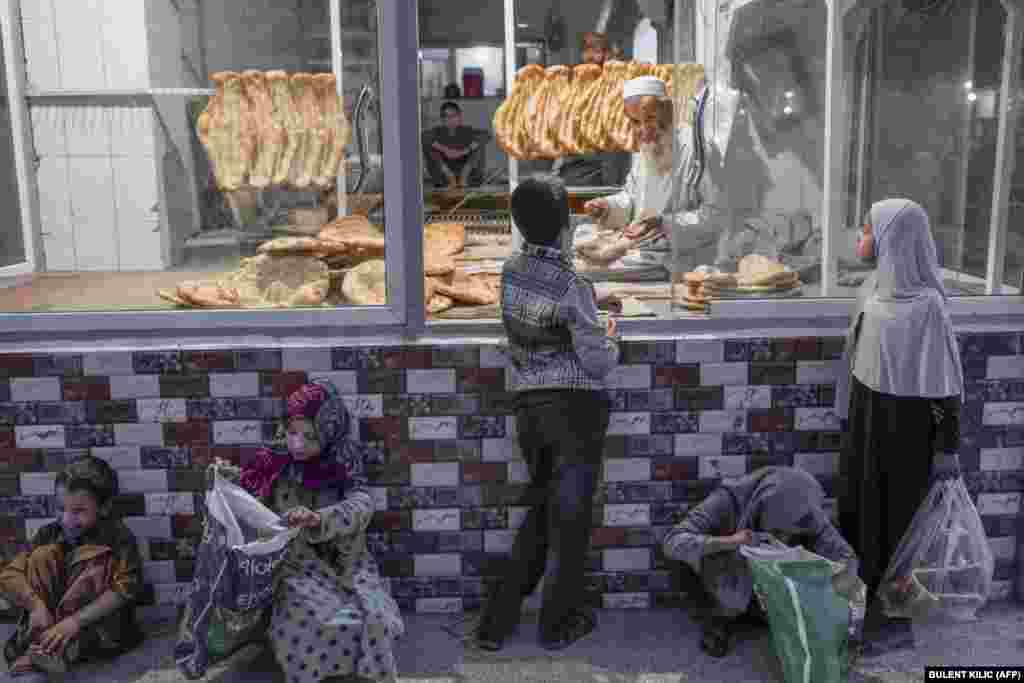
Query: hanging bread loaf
[[510, 111], [583, 79], [557, 104]]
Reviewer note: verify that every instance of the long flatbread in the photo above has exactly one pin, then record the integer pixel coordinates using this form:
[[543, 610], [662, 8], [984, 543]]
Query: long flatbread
[[583, 78], [519, 139], [552, 106], [231, 142], [333, 118], [269, 130], [286, 111]]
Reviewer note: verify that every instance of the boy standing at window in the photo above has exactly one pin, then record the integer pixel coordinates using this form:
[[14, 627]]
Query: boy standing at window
[[560, 354]]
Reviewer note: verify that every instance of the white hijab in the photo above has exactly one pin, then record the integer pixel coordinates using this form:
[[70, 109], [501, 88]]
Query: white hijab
[[906, 345]]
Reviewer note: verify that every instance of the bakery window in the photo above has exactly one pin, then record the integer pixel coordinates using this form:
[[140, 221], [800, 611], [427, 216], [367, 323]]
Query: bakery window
[[206, 156]]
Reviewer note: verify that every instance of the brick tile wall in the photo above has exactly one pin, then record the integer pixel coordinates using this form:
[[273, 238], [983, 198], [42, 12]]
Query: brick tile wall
[[448, 493]]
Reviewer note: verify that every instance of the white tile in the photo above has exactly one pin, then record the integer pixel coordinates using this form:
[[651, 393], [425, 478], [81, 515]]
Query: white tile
[[234, 384], [499, 540], [817, 371], [720, 421], [134, 386], [142, 481], [723, 466], [346, 381], [628, 601], [150, 434], [179, 503], [516, 516], [137, 205], [817, 419], [37, 483], [698, 444], [999, 503], [308, 359], [724, 374], [447, 564], [80, 44], [120, 457], [700, 351], [380, 497], [1005, 367], [500, 450], [818, 464], [627, 469], [443, 519], [435, 473], [237, 432], [627, 559], [364, 405], [629, 377], [172, 593], [159, 572], [91, 183], [56, 224], [48, 128], [29, 389], [1000, 591], [629, 423], [627, 514], [493, 356], [162, 409], [32, 526], [748, 398], [135, 136], [439, 606], [125, 46], [108, 363], [1002, 459], [996, 414], [518, 472], [39, 34], [40, 436], [430, 381], [1004, 548], [149, 527], [433, 428]]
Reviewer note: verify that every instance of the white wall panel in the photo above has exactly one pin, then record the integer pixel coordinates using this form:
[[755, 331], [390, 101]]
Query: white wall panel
[[80, 44], [40, 38], [137, 224], [125, 58], [54, 214], [92, 201]]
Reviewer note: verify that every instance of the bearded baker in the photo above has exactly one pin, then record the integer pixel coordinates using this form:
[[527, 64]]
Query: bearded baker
[[634, 227]]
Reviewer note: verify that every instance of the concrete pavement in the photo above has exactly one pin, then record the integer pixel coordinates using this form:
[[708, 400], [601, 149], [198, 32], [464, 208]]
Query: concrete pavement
[[630, 646]]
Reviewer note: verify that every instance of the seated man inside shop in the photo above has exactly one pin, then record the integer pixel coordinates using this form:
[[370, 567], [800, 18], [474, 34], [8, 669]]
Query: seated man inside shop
[[452, 151], [785, 502], [598, 169], [635, 226]]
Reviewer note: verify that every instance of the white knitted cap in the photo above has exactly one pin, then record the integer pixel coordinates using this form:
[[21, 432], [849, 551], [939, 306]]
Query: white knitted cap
[[644, 85]]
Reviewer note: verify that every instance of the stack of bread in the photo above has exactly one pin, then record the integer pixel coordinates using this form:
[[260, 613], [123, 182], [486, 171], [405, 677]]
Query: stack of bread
[[755, 275], [561, 110], [299, 271], [272, 129]]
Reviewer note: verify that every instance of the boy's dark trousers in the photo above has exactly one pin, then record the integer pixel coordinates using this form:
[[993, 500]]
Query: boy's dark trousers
[[561, 434]]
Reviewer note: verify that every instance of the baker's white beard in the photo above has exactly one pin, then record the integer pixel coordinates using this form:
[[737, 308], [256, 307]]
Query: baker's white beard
[[656, 157]]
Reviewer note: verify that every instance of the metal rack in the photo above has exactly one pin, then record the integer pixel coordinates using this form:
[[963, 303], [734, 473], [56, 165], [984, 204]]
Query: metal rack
[[484, 222]]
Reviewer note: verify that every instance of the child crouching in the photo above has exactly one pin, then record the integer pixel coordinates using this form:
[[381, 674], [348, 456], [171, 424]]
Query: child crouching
[[79, 582]]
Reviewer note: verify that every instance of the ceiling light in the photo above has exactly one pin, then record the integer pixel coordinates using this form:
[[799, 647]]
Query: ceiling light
[[523, 25]]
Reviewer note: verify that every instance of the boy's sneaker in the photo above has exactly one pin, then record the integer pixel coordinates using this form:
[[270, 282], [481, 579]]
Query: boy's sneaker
[[577, 627]]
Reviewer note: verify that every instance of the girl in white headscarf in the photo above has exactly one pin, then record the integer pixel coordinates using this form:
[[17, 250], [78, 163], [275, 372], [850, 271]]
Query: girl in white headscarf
[[901, 387]]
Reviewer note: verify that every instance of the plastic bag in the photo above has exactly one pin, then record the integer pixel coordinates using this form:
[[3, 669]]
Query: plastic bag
[[243, 544], [815, 608], [943, 566]]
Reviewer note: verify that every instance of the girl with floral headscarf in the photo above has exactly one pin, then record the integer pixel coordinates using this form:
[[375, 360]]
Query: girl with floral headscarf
[[333, 618], [901, 385]]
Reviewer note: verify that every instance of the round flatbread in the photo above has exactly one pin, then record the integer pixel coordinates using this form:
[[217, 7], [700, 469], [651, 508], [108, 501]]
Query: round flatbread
[[468, 289], [172, 296], [439, 303], [366, 284], [291, 245], [446, 238], [437, 264], [208, 294]]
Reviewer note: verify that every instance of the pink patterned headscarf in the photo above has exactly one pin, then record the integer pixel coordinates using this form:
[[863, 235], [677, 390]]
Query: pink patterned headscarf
[[306, 401]]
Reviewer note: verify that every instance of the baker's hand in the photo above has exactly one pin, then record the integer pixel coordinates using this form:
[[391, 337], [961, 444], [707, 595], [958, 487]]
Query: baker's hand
[[642, 228], [612, 327], [302, 517], [40, 619], [55, 639], [609, 301], [741, 537], [597, 208]]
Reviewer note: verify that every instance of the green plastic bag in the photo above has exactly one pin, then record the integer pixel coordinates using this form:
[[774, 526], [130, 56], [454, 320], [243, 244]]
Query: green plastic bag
[[814, 607]]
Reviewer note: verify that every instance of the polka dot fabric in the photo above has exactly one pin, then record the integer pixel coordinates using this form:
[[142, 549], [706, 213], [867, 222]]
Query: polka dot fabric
[[333, 615]]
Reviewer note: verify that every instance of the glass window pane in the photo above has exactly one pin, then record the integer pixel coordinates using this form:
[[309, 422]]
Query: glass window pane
[[925, 124], [762, 143], [267, 194], [12, 241]]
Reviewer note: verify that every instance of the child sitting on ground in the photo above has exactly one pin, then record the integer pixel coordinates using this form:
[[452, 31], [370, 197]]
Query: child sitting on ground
[[78, 583]]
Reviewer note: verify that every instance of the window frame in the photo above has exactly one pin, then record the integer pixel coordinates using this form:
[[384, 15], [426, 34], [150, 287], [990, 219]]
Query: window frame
[[405, 315]]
